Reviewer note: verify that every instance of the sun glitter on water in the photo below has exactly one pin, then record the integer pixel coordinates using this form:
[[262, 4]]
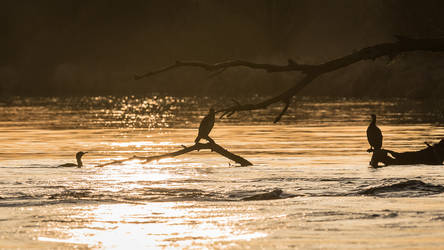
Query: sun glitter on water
[[153, 226]]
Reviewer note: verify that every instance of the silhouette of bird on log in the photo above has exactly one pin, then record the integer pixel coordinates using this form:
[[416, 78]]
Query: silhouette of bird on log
[[205, 127], [79, 161], [374, 135]]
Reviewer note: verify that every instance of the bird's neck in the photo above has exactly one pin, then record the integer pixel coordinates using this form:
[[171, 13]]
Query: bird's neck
[[373, 122], [79, 162]]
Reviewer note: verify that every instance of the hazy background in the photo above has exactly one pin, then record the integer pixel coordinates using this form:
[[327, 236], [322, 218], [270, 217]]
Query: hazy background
[[94, 47]]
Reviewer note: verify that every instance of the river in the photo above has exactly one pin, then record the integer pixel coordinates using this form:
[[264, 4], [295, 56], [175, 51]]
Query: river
[[316, 156]]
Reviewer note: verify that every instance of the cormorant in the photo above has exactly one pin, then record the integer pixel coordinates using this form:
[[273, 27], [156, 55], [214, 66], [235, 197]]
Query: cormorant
[[205, 127], [79, 161], [374, 135]]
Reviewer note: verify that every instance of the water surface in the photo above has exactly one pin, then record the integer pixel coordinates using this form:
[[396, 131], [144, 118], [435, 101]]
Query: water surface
[[316, 156]]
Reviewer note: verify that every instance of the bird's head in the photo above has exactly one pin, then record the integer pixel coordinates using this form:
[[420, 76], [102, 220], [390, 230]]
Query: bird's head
[[212, 111], [373, 116], [80, 154]]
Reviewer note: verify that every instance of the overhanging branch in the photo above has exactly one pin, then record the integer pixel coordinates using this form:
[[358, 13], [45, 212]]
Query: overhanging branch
[[402, 45], [284, 97], [226, 65]]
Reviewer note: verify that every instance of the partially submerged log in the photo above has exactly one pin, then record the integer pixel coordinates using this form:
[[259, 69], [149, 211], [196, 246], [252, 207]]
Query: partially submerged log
[[432, 155], [196, 147]]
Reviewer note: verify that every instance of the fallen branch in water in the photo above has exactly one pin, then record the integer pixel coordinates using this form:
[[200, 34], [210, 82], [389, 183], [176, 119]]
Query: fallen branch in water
[[432, 155], [196, 147], [310, 71]]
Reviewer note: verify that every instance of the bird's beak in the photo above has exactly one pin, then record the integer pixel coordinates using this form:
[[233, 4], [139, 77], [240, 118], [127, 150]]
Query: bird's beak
[[85, 152]]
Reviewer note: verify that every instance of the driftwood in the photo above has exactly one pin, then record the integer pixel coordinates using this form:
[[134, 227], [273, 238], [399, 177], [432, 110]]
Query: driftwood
[[432, 155], [311, 72], [196, 147]]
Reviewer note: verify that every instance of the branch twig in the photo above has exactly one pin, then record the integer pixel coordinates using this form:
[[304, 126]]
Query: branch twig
[[278, 118], [212, 75]]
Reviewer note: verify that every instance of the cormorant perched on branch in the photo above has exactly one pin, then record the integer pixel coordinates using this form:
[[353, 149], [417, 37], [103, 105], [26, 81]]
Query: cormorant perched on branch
[[205, 127], [374, 135], [79, 161]]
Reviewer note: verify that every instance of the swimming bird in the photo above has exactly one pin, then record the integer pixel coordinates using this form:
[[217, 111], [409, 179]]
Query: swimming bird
[[79, 161], [374, 135], [205, 127]]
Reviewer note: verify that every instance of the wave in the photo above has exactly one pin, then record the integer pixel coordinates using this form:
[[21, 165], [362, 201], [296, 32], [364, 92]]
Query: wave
[[137, 196], [275, 194], [409, 188], [405, 188]]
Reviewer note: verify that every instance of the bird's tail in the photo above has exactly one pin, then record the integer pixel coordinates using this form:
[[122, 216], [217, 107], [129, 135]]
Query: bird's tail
[[197, 139], [209, 139]]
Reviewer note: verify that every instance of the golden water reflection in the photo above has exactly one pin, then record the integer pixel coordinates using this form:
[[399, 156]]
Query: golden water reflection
[[157, 225], [319, 157]]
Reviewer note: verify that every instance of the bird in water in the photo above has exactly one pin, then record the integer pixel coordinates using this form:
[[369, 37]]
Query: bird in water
[[79, 161], [374, 135], [205, 127]]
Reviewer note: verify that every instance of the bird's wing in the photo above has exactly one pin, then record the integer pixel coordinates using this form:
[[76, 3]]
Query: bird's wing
[[376, 137], [205, 126], [370, 135], [204, 122], [379, 135]]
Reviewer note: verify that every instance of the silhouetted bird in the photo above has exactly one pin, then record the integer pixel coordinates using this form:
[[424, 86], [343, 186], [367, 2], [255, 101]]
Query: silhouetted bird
[[79, 161], [374, 135], [205, 127]]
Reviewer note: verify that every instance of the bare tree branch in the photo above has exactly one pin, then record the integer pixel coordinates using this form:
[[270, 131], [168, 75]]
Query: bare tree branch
[[196, 147], [222, 65], [278, 118], [283, 97], [212, 75], [402, 45]]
